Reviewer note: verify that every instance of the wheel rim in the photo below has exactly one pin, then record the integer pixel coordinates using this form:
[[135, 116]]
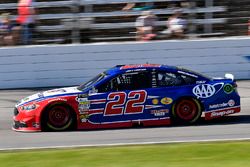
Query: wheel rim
[[58, 116], [186, 110]]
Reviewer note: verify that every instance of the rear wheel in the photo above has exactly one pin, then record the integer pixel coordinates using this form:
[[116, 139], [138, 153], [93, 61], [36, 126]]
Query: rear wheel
[[58, 118], [187, 111]]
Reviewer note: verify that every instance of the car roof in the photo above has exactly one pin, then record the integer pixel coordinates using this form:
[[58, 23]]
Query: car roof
[[137, 67], [134, 67]]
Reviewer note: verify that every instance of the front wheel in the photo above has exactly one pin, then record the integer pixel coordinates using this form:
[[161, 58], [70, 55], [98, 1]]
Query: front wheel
[[58, 118], [186, 111]]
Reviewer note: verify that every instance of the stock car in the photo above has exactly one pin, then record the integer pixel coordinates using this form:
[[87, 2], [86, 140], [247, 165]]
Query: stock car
[[130, 95]]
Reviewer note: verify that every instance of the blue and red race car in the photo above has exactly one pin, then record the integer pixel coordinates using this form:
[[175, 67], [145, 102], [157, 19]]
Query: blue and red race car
[[127, 95]]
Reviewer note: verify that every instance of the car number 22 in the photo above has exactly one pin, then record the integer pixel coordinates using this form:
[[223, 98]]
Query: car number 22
[[120, 103]]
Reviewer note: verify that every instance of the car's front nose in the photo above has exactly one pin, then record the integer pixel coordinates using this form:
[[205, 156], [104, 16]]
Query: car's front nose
[[25, 121]]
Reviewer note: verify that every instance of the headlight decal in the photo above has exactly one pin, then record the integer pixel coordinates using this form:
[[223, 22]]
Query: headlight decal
[[29, 107]]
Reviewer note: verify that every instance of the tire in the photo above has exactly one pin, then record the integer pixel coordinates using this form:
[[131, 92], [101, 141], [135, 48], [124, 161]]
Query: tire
[[58, 118], [186, 111]]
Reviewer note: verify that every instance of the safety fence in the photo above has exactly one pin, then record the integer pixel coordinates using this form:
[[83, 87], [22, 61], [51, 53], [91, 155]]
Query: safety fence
[[84, 21]]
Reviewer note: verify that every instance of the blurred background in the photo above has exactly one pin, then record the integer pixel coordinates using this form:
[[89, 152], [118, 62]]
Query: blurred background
[[27, 22]]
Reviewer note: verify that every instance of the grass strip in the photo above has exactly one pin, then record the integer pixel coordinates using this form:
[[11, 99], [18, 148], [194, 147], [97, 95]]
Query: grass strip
[[210, 154]]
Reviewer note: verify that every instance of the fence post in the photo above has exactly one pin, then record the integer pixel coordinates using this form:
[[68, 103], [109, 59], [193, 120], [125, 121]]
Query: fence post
[[208, 28], [75, 32], [192, 16], [248, 32]]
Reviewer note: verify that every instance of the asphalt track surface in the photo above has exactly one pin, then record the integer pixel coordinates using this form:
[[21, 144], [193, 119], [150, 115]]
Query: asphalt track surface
[[230, 127]]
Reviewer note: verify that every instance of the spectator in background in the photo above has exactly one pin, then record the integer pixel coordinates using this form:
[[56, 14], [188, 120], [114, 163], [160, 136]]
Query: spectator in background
[[175, 26], [9, 34], [26, 18], [132, 6], [145, 25]]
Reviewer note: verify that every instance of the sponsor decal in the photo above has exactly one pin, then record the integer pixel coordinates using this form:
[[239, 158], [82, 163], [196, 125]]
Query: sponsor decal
[[40, 95], [136, 70], [82, 100], [230, 103], [26, 99], [185, 73], [83, 103], [83, 111], [152, 97], [83, 107], [87, 103], [161, 112], [221, 113], [57, 99], [82, 95], [84, 117], [139, 66], [152, 106], [213, 106], [207, 90], [166, 100], [228, 88], [200, 82], [155, 101], [204, 91], [35, 124]]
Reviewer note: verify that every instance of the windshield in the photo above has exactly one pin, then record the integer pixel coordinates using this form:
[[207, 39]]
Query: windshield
[[91, 82]]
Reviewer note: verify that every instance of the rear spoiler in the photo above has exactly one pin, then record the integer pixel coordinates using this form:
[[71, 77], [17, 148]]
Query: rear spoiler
[[229, 76]]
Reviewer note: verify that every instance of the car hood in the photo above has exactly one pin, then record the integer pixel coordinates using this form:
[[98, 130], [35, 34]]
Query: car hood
[[49, 94]]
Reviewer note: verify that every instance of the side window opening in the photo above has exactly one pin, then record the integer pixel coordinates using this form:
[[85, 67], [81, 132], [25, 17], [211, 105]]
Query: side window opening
[[169, 79], [188, 79], [128, 81]]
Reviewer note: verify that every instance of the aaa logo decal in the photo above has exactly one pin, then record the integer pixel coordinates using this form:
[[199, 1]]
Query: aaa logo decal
[[207, 90]]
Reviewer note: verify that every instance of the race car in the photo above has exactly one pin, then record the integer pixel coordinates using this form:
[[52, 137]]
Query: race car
[[130, 95]]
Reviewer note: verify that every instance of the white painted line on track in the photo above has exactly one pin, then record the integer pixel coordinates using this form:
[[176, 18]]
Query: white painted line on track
[[126, 144]]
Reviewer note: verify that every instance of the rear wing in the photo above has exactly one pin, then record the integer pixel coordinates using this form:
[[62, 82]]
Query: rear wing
[[229, 76]]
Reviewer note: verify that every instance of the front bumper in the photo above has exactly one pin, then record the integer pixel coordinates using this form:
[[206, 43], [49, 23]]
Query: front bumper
[[22, 127]]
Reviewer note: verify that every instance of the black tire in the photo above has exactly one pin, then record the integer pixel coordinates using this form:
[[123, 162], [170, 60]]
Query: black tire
[[186, 111], [58, 118]]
